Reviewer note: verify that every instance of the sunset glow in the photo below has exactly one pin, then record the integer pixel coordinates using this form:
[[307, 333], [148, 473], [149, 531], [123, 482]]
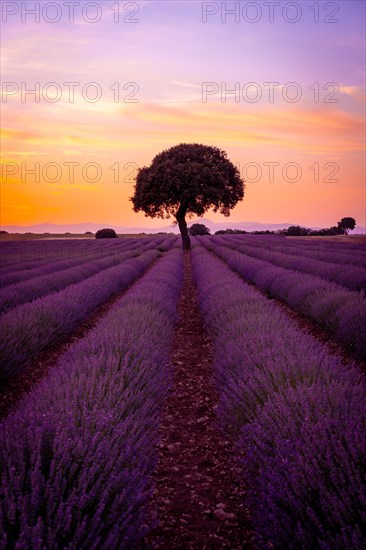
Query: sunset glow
[[173, 72]]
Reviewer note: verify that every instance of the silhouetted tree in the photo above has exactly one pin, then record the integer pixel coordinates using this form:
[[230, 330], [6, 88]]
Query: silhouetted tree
[[199, 229], [230, 232], [106, 233], [334, 230], [347, 224], [187, 179], [297, 231]]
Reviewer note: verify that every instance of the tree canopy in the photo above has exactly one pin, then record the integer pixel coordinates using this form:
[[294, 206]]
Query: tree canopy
[[199, 229], [106, 233], [297, 231], [187, 179], [347, 224]]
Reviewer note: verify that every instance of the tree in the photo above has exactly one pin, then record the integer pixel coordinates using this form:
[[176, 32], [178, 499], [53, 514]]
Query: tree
[[347, 225], [297, 231], [329, 231], [230, 232], [187, 179], [199, 229], [106, 233]]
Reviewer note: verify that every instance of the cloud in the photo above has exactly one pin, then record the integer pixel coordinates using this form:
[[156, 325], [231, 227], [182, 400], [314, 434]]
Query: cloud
[[135, 127], [355, 92]]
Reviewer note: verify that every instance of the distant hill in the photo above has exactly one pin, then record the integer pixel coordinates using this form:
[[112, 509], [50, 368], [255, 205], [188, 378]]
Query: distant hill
[[80, 228]]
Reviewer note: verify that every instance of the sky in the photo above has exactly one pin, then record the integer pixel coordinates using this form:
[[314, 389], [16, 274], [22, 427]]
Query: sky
[[91, 91]]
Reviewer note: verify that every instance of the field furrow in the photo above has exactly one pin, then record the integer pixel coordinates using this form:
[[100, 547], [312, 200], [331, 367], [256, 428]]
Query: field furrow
[[297, 413], [349, 276], [340, 311], [77, 456], [19, 273], [338, 253], [143, 409], [43, 285], [29, 328]]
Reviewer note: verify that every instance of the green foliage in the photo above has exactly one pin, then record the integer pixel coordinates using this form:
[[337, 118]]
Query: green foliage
[[334, 230], [297, 231], [347, 225], [187, 179], [189, 176], [106, 233], [199, 229], [230, 232]]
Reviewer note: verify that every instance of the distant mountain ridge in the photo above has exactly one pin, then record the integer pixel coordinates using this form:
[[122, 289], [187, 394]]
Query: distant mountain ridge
[[79, 228]]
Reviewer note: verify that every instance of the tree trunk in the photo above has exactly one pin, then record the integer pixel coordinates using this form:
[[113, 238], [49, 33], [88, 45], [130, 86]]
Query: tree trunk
[[180, 216]]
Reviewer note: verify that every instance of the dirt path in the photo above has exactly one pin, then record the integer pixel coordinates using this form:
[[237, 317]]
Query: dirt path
[[199, 497]]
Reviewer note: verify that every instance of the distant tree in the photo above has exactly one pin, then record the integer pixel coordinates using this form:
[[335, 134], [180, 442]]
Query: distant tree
[[297, 231], [198, 229], [334, 230], [106, 233], [230, 232], [3, 232], [347, 224], [263, 232], [187, 179], [88, 233]]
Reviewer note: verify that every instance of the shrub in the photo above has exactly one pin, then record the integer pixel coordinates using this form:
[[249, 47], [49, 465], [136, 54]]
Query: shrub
[[297, 413], [230, 232], [199, 229], [297, 231], [84, 443], [106, 233]]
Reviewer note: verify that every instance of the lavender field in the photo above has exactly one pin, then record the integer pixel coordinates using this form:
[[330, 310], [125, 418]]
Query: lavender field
[[80, 444]]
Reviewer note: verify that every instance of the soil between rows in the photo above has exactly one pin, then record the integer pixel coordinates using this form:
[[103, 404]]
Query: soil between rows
[[15, 388], [199, 497]]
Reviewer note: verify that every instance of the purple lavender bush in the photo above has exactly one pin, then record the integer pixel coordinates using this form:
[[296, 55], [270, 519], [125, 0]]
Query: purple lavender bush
[[77, 456], [309, 447], [326, 303], [332, 252], [29, 328], [297, 413], [349, 276], [45, 253], [49, 282], [23, 271]]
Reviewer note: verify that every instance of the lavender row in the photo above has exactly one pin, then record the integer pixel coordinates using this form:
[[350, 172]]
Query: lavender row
[[298, 416], [339, 310], [77, 456], [29, 328], [21, 268], [349, 276], [313, 243], [47, 251], [49, 282], [326, 252], [25, 270]]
